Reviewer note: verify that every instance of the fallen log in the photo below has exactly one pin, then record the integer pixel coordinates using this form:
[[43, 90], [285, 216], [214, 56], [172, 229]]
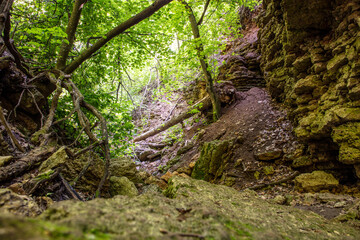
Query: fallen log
[[25, 163], [203, 104]]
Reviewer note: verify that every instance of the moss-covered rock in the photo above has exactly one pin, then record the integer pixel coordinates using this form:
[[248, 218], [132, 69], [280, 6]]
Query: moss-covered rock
[[337, 62], [347, 136], [307, 85], [197, 207], [268, 155], [303, 63], [17, 204], [72, 167], [319, 80], [122, 186], [15, 228], [213, 158], [125, 167], [315, 181], [303, 161]]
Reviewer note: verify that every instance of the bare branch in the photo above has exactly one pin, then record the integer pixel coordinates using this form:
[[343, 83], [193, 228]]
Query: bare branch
[[115, 32], [202, 104]]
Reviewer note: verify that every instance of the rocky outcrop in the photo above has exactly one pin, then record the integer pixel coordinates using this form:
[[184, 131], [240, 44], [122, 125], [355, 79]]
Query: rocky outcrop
[[310, 60], [241, 59], [213, 159], [193, 208]]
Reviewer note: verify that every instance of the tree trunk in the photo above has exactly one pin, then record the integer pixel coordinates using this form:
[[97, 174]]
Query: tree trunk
[[203, 61], [201, 105], [70, 31]]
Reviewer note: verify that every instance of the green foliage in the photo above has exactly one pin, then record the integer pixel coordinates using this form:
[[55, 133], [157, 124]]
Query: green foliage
[[159, 50], [45, 175], [175, 134]]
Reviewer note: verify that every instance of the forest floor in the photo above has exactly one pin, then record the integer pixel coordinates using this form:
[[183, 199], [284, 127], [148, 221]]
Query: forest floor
[[259, 127]]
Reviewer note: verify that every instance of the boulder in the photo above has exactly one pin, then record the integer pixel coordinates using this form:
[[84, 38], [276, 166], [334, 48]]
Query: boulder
[[122, 186], [196, 207], [22, 205], [315, 181], [125, 167], [72, 167]]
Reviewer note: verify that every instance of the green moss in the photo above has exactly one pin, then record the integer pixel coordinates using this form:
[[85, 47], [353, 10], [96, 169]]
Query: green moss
[[347, 136], [213, 158], [303, 161], [268, 170], [45, 175], [171, 190], [348, 114], [170, 163], [239, 230]]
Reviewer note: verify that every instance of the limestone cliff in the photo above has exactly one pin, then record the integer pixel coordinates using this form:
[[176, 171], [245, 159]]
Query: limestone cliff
[[308, 53]]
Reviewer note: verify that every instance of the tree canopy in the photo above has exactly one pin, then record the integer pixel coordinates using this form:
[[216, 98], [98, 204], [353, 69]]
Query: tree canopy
[[104, 52]]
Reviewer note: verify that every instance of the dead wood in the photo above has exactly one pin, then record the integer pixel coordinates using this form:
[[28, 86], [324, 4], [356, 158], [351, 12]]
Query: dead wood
[[35, 183], [70, 190], [203, 104], [172, 110], [25, 163], [157, 145], [286, 179]]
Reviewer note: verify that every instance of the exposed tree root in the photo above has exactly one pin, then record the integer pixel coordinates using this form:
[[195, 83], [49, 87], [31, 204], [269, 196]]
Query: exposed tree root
[[63, 81], [25, 163], [35, 183], [83, 171]]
